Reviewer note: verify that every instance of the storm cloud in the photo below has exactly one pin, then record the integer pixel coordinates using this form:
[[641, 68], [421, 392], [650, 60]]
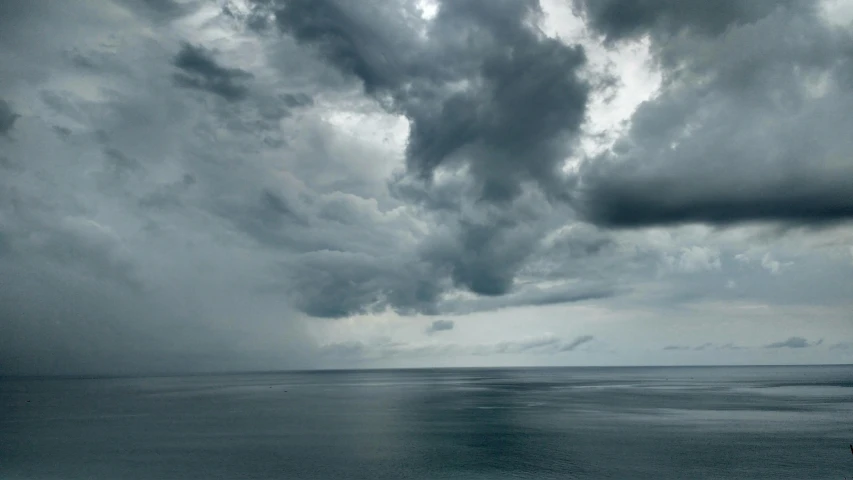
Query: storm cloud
[[487, 97], [630, 19], [296, 184], [484, 90], [750, 124]]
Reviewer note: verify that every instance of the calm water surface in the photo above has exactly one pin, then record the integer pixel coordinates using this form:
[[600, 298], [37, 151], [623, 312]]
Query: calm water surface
[[621, 423]]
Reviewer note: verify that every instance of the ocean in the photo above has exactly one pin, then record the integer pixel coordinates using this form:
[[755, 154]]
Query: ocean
[[540, 423]]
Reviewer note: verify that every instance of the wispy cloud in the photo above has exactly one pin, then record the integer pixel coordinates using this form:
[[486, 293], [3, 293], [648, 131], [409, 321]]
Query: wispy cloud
[[199, 70], [385, 347], [794, 342], [703, 346]]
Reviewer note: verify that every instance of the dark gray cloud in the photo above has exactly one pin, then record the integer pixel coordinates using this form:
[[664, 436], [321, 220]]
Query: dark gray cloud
[[499, 251], [293, 100], [483, 254], [199, 70], [661, 202], [335, 280], [631, 19], [7, 117], [336, 284], [794, 342], [486, 95], [750, 123], [485, 90], [440, 326]]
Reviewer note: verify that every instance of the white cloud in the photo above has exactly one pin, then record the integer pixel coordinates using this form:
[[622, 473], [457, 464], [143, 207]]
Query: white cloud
[[772, 265], [694, 259]]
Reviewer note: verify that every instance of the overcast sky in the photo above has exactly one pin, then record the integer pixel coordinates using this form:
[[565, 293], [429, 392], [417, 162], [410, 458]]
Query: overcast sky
[[274, 184]]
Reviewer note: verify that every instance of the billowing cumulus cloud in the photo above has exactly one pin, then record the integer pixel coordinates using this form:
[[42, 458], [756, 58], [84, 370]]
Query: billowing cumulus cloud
[[488, 98], [750, 123], [481, 88]]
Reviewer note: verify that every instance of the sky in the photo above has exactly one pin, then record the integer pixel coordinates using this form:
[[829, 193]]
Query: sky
[[297, 184]]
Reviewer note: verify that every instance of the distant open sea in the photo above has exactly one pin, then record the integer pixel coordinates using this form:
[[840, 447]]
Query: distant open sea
[[548, 423]]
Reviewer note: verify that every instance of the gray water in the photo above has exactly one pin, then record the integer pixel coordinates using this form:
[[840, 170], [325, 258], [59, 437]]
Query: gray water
[[625, 423]]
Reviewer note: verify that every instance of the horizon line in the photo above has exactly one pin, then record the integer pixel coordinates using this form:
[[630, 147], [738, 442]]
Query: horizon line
[[210, 373]]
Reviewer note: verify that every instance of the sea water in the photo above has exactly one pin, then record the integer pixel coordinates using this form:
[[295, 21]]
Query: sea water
[[549, 423]]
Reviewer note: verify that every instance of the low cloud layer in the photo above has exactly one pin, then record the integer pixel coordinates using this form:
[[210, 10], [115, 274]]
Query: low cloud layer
[[794, 342], [703, 347], [440, 326], [386, 348]]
